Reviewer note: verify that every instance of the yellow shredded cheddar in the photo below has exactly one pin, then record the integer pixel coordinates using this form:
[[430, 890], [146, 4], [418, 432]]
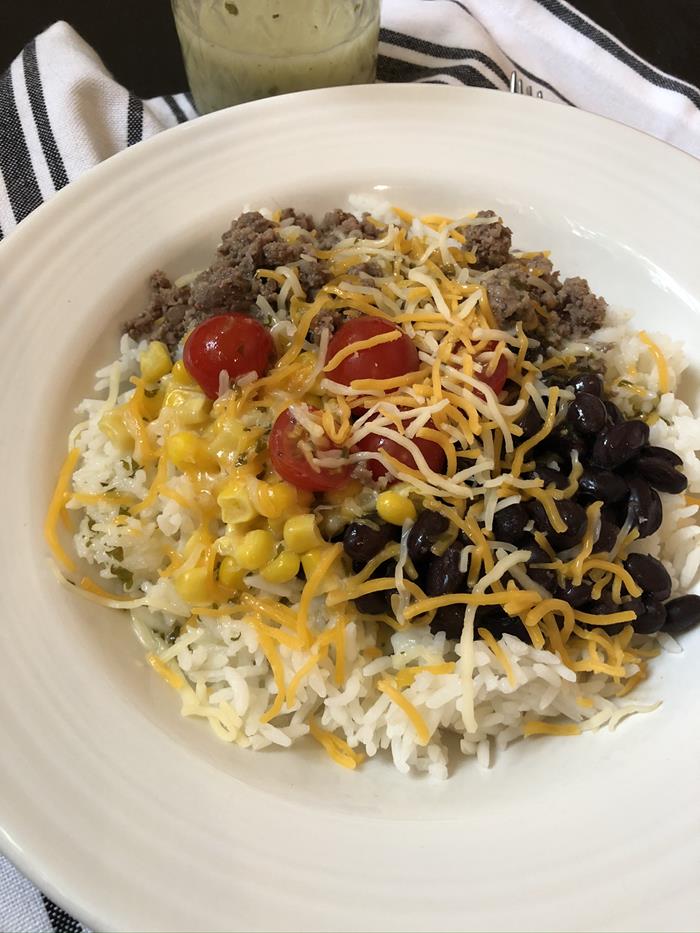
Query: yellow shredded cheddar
[[412, 714], [550, 728]]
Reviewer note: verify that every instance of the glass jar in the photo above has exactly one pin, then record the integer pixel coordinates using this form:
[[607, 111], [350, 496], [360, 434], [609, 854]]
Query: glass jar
[[239, 50]]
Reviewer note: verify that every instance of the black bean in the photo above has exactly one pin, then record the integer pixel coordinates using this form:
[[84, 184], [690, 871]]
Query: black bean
[[607, 536], [601, 485], [373, 603], [496, 621], [663, 453], [661, 474], [619, 443], [602, 607], [682, 614], [443, 574], [650, 574], [530, 421], [561, 441], [644, 510], [575, 519], [549, 476], [509, 524], [426, 529], [587, 382], [538, 555], [363, 541], [490, 617], [651, 614], [587, 414], [387, 569], [450, 620], [573, 516], [615, 416], [575, 595], [615, 513], [544, 576], [516, 627]]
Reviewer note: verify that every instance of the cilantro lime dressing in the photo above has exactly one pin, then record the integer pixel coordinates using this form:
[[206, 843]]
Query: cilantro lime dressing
[[240, 50]]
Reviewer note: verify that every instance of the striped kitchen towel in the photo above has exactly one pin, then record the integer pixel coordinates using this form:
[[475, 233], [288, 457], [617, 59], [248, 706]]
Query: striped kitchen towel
[[61, 112]]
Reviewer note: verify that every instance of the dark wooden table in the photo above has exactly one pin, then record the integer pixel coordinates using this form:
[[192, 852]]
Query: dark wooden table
[[137, 40]]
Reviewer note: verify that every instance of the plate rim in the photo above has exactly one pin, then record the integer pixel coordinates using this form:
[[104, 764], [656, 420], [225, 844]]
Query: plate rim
[[21, 238]]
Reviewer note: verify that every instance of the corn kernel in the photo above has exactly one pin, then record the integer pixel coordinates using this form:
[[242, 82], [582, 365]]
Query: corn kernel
[[189, 407], [235, 504], [255, 550], [195, 585], [275, 500], [339, 496], [112, 426], [301, 533], [155, 361], [282, 569], [230, 574], [307, 362], [310, 561], [395, 508], [181, 376], [187, 451], [226, 545]]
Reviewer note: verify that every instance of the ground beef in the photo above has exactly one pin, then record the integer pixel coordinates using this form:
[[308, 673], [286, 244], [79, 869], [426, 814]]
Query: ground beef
[[328, 319], [166, 315], [312, 276], [511, 297], [223, 289], [281, 253], [367, 272], [229, 284], [337, 225], [529, 290], [579, 312], [246, 237], [299, 218], [489, 242]]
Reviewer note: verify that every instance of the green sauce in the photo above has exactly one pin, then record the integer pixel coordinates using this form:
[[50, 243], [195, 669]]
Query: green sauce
[[240, 50]]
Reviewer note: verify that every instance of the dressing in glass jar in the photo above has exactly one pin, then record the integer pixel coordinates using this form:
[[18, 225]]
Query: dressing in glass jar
[[240, 50]]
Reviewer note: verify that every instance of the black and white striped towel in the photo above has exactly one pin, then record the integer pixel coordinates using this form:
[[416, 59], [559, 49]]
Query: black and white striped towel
[[61, 112]]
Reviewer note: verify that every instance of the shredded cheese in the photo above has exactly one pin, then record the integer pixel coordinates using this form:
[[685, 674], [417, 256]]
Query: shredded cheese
[[534, 727], [58, 501], [414, 717], [661, 364]]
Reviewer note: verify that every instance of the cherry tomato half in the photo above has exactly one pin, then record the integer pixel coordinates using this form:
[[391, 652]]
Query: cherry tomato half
[[381, 362], [496, 380], [433, 453], [233, 342], [292, 465]]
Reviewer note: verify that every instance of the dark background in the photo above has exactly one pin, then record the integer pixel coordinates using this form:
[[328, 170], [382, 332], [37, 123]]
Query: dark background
[[137, 40]]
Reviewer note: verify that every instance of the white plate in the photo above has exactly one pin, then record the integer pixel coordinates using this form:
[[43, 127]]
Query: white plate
[[135, 819]]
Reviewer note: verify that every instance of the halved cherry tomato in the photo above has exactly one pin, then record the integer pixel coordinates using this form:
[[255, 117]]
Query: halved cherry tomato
[[433, 453], [495, 380], [291, 464], [381, 362], [233, 342]]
